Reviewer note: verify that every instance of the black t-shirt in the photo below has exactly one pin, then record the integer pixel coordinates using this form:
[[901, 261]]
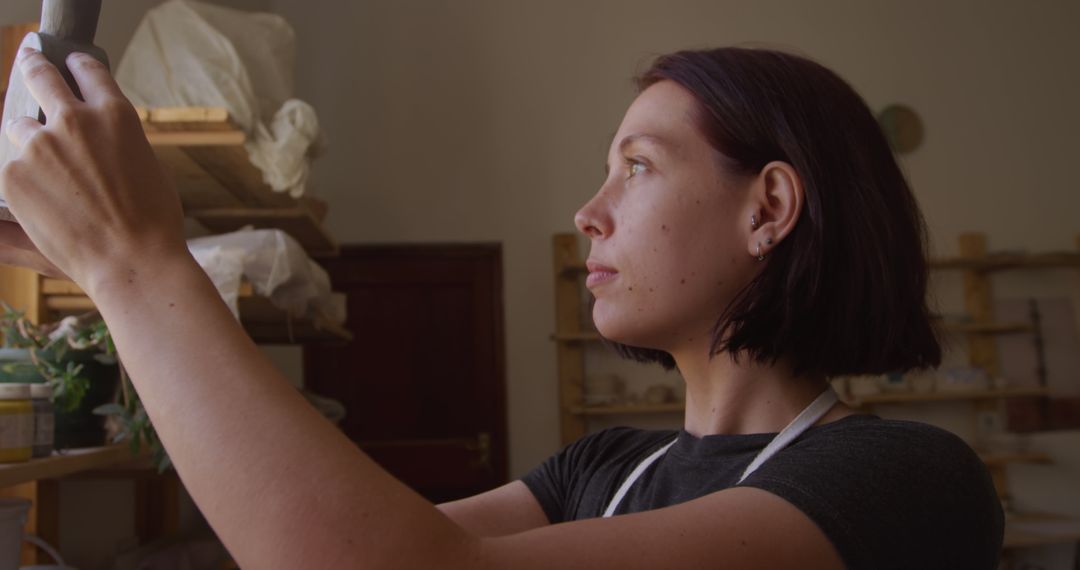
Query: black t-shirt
[[887, 493]]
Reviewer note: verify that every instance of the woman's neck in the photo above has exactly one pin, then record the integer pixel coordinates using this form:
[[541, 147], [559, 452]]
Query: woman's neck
[[725, 397]]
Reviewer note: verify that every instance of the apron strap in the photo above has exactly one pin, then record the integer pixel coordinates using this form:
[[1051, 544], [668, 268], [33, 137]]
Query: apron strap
[[802, 422], [808, 417], [634, 476]]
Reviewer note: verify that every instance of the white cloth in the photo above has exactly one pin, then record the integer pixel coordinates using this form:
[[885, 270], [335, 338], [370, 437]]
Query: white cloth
[[187, 53], [276, 266]]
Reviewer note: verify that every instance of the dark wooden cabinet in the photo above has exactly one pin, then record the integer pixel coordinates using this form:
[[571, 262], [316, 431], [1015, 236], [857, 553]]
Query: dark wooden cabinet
[[423, 379]]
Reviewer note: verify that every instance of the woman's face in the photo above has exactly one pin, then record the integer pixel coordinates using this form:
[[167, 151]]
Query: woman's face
[[669, 228]]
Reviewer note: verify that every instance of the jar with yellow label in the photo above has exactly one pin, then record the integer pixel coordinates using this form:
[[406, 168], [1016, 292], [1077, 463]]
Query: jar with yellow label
[[16, 423]]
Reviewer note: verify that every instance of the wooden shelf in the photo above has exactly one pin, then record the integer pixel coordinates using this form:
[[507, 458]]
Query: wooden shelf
[[987, 328], [587, 336], [995, 458], [267, 324], [670, 408], [263, 321], [203, 151], [1001, 262], [71, 461], [909, 397], [1038, 529]]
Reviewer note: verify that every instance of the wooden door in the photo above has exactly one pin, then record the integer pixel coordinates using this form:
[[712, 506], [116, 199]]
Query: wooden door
[[423, 380]]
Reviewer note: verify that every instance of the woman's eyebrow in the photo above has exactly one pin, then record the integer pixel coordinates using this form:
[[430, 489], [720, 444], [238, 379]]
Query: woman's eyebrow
[[631, 139]]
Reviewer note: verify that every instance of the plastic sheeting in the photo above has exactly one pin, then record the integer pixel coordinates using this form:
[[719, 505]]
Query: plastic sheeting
[[276, 266], [188, 53]]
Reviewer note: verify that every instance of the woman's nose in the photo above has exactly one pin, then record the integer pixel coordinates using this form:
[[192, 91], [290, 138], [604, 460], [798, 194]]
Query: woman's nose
[[594, 219]]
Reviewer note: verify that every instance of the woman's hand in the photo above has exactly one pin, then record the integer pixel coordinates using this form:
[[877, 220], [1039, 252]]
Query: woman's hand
[[86, 187]]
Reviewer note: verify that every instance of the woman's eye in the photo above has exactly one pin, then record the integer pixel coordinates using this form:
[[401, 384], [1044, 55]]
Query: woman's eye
[[635, 168]]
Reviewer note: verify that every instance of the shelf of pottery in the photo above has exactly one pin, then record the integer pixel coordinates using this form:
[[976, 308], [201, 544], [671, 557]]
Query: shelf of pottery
[[592, 395]]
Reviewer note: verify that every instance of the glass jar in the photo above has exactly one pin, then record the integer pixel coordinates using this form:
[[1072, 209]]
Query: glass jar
[[16, 423]]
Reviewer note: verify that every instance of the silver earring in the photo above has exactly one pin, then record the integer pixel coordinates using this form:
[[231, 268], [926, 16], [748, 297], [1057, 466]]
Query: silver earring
[[768, 241], [753, 222], [759, 256]]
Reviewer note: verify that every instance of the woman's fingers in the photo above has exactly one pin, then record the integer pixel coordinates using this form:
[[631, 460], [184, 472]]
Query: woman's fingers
[[31, 260], [20, 130], [86, 187], [12, 235], [93, 78], [44, 82], [16, 249]]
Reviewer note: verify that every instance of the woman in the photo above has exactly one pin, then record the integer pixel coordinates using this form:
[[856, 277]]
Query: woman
[[753, 230]]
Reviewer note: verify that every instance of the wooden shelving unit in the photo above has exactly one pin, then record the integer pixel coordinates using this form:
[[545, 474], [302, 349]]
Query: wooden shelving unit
[[584, 336], [204, 152], [984, 262], [977, 266], [995, 458], [987, 328], [263, 321], [156, 497], [942, 396], [1040, 529], [61, 465], [569, 336]]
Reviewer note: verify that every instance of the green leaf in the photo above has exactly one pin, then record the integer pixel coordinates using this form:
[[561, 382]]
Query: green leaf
[[161, 457], [110, 410]]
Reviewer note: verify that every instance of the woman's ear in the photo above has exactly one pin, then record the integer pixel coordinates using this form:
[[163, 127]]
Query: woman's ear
[[776, 201]]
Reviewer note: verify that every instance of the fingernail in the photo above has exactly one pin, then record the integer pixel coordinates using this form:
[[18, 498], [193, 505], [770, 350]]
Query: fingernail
[[26, 52]]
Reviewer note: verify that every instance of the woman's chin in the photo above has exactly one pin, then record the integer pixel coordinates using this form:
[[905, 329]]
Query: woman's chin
[[622, 334]]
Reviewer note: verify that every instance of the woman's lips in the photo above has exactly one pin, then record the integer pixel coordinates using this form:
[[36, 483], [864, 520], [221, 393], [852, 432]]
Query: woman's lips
[[598, 274]]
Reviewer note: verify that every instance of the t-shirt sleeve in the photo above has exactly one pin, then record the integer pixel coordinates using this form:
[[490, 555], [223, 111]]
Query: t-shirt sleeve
[[930, 502], [578, 481], [553, 481], [548, 483]]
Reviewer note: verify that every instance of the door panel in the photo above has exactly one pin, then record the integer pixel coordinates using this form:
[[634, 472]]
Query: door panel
[[423, 379]]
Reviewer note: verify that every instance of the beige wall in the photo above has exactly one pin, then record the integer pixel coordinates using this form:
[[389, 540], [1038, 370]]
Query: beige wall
[[489, 120]]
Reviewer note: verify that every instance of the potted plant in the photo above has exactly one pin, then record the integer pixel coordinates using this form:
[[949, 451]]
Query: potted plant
[[67, 354], [77, 357]]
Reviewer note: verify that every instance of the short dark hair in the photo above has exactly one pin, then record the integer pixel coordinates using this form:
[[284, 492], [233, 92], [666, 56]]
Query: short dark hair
[[845, 292]]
